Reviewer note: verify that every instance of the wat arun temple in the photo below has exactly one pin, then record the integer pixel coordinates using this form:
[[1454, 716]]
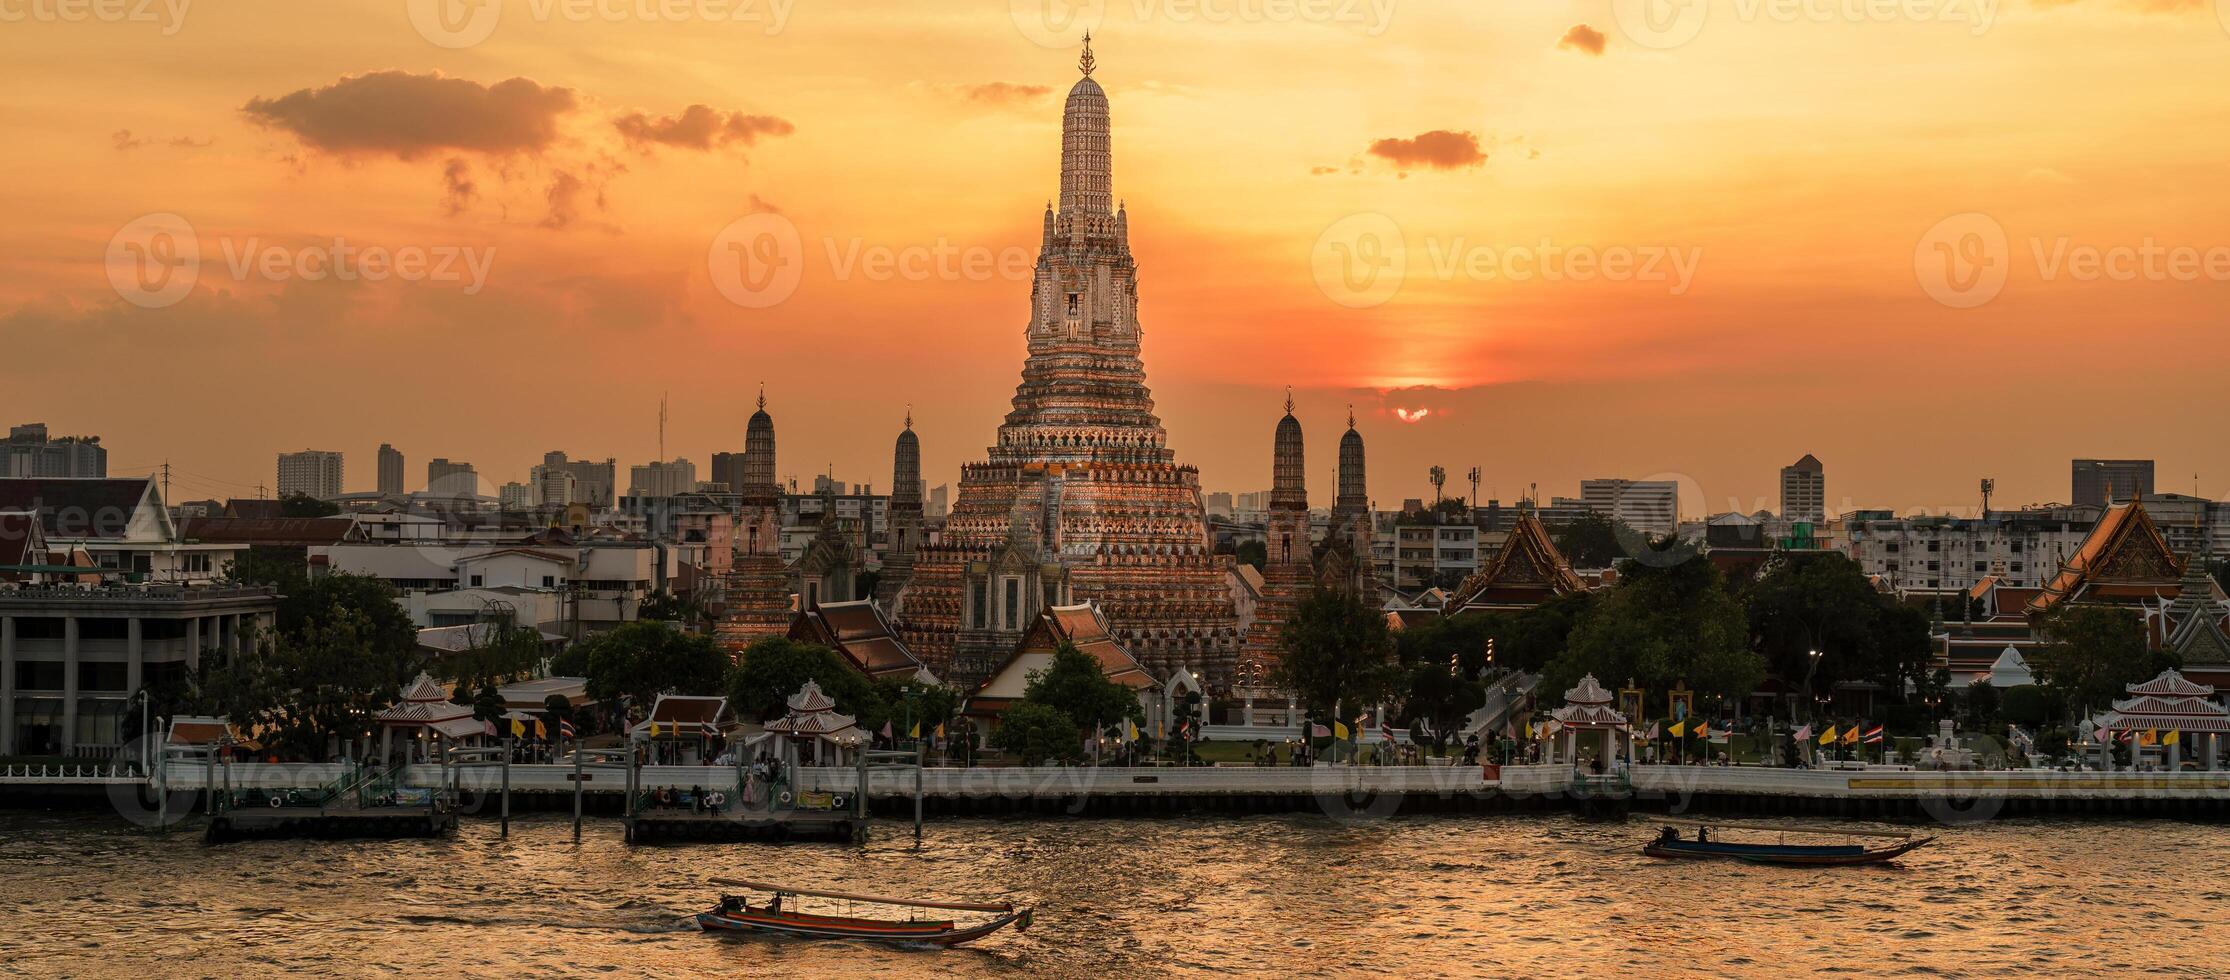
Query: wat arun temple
[[1080, 499]]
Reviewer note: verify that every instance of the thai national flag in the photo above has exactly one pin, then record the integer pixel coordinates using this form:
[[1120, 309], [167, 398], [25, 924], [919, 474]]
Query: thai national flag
[[565, 728], [1873, 736]]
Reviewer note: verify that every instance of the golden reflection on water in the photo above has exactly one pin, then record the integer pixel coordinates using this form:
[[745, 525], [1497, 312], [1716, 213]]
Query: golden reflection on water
[[1541, 895]]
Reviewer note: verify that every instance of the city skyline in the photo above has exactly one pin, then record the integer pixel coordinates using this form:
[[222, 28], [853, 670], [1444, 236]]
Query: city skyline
[[598, 187]]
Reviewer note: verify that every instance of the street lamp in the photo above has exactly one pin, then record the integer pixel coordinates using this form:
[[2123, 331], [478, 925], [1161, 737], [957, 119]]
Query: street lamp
[[1812, 667]]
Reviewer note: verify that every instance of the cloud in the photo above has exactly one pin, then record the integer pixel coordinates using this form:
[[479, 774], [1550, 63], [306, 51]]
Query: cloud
[[124, 140], [699, 127], [1584, 39], [1005, 93], [1321, 171], [405, 115], [456, 177], [1439, 149]]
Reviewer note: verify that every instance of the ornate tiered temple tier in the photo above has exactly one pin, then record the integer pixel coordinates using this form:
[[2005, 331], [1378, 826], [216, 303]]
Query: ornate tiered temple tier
[[1081, 499]]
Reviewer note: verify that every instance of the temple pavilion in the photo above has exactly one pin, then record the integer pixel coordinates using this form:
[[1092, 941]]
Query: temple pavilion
[[2170, 714], [1587, 714], [813, 732]]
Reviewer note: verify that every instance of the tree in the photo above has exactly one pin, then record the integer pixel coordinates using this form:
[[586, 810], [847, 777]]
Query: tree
[[1037, 733], [1441, 659], [500, 653], [662, 605], [1075, 685], [386, 627], [2093, 653], [642, 660], [1530, 640], [306, 688], [774, 668], [1818, 601], [1592, 541], [304, 505], [1661, 625], [1338, 654], [1254, 553]]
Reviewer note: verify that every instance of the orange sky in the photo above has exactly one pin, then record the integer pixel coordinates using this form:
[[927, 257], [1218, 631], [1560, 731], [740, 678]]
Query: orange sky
[[1797, 163]]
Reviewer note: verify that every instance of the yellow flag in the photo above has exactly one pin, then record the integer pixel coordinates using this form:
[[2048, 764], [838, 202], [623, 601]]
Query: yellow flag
[[1850, 735], [1339, 729], [654, 729], [1679, 728], [1703, 729], [518, 728], [1130, 730], [916, 732], [539, 731], [940, 732], [2151, 737], [2171, 738], [1828, 737]]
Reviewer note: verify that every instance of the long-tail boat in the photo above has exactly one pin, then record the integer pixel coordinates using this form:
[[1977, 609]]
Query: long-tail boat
[[778, 911], [1671, 844]]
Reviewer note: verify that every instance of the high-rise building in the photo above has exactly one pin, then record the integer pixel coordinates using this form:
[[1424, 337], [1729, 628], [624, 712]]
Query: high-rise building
[[1080, 500], [2100, 482], [451, 478], [727, 470], [390, 470], [311, 472], [662, 478], [1804, 491], [940, 502], [515, 496], [30, 453], [594, 483], [1648, 506]]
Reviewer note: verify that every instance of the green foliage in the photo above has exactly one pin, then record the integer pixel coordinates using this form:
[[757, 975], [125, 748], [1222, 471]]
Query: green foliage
[[905, 702], [1254, 553], [1338, 654], [1441, 659], [1038, 733], [309, 686], [1661, 625], [504, 653], [384, 625], [1823, 601], [2029, 705], [1978, 705], [665, 606], [2093, 654], [773, 669], [284, 568], [1593, 541], [1075, 685], [642, 660], [1537, 636], [304, 505]]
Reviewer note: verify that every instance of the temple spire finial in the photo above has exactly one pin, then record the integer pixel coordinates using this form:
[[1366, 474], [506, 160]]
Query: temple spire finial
[[909, 415], [1086, 63], [1288, 399], [1350, 415], [762, 396]]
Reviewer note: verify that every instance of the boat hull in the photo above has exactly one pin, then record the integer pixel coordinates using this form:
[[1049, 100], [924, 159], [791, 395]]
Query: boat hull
[[832, 927], [1802, 855]]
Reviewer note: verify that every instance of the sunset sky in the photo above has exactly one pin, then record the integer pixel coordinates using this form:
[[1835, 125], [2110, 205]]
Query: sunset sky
[[1799, 162]]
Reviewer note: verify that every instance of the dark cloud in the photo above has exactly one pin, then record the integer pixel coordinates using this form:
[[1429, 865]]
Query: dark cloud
[[1005, 93], [1584, 39], [407, 115], [1439, 149], [124, 140], [699, 127], [456, 177]]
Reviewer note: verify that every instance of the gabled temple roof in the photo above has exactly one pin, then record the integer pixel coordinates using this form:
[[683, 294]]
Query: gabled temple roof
[[860, 632], [1527, 571], [2124, 560], [1082, 625]]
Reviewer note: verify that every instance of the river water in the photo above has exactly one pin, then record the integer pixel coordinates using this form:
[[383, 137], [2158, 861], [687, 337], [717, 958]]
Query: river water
[[1446, 895]]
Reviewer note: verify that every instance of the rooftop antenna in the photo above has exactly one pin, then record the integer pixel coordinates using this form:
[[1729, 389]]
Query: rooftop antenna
[[661, 426], [1988, 486]]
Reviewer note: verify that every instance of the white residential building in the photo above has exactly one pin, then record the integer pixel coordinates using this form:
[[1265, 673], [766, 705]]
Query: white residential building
[[311, 472]]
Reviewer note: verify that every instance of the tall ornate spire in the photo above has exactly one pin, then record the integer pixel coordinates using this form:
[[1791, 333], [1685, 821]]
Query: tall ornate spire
[[1085, 63], [1087, 173]]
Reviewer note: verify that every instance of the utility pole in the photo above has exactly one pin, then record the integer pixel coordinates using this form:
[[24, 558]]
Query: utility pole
[[1439, 477], [1474, 489]]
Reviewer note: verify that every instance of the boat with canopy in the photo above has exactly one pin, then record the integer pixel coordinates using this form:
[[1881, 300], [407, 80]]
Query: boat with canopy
[[1843, 846], [778, 910]]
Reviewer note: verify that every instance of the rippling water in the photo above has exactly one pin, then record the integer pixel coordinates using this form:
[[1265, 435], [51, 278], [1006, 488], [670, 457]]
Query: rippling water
[[1524, 895]]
